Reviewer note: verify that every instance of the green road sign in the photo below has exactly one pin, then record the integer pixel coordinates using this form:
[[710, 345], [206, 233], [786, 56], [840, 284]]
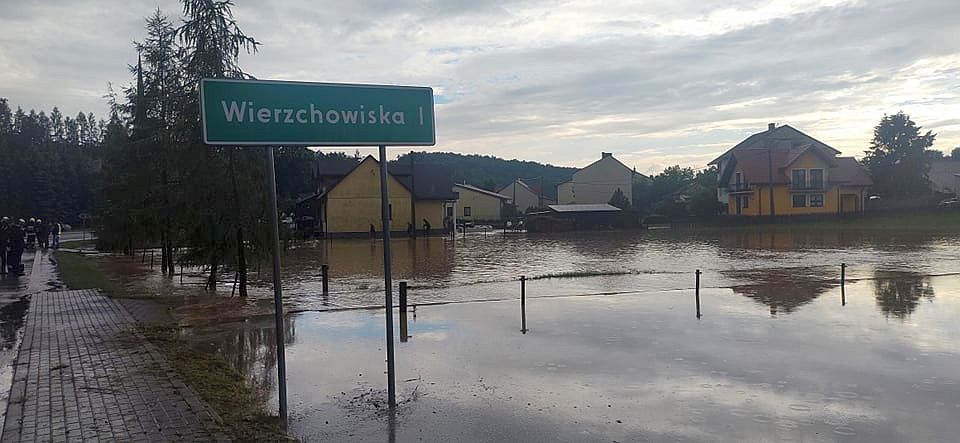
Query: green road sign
[[258, 112]]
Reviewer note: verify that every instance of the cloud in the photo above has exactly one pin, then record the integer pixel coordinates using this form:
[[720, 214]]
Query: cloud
[[557, 81]]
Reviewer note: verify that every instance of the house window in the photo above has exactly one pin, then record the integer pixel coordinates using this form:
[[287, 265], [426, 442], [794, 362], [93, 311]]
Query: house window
[[816, 180], [799, 200], [799, 180], [739, 179], [466, 211], [746, 202], [816, 200], [449, 211], [390, 210]]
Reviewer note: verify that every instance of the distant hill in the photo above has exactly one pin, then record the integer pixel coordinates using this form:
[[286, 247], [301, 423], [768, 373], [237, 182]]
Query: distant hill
[[492, 173]]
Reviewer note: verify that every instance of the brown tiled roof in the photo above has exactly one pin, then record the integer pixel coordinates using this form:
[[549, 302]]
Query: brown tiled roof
[[781, 137], [850, 172], [757, 165]]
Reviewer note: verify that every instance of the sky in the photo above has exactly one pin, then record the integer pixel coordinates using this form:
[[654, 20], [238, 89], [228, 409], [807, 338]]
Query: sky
[[657, 83]]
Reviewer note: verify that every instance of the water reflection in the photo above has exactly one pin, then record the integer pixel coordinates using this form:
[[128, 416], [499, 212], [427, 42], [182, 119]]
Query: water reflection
[[898, 293], [783, 290], [250, 346]]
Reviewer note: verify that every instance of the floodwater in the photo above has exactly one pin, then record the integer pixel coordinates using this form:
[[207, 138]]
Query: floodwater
[[782, 352]]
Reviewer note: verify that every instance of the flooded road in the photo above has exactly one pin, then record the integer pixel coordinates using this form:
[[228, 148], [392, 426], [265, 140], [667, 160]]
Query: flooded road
[[487, 267], [781, 353]]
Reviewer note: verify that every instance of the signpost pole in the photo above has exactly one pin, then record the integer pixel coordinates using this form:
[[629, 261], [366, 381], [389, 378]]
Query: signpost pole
[[387, 276], [277, 291]]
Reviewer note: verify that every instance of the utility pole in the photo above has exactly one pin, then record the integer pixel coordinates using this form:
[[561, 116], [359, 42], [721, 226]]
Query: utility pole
[[413, 195], [770, 172]]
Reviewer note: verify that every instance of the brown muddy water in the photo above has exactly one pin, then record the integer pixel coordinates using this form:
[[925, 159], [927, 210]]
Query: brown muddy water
[[782, 352]]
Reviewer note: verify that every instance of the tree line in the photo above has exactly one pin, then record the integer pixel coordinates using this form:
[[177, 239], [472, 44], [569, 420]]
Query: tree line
[[48, 164]]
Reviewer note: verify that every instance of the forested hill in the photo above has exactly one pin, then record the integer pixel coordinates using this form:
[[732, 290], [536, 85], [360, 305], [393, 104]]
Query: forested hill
[[493, 173]]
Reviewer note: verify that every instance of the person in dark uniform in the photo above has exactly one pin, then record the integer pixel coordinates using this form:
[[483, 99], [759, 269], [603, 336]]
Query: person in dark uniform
[[43, 234], [426, 227], [15, 244]]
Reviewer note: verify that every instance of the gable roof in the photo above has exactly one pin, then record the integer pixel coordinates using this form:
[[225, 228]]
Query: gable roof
[[610, 156], [424, 181], [758, 164], [428, 181], [481, 190], [783, 136]]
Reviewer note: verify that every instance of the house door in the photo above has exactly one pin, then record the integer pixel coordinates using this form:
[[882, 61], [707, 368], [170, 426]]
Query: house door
[[739, 205], [849, 203]]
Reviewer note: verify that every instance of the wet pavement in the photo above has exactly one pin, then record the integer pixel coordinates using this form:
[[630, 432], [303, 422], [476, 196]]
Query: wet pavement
[[15, 293], [781, 353]]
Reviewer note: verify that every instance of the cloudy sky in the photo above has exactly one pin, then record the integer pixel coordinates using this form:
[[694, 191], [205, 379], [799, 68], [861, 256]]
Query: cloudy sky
[[655, 82]]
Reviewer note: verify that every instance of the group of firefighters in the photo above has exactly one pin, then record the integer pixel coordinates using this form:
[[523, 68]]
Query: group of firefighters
[[17, 235]]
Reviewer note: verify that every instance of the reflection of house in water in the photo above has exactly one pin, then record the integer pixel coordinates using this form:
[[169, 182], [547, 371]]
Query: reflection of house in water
[[782, 289], [898, 293]]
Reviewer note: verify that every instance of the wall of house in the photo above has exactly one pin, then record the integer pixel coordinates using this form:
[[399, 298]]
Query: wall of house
[[354, 204], [783, 201], [597, 183], [525, 198], [432, 210], [483, 207]]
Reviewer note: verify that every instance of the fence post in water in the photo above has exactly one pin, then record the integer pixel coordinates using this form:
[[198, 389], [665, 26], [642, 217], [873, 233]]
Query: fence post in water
[[843, 274], [698, 293], [403, 312], [151, 259], [523, 304], [325, 270]]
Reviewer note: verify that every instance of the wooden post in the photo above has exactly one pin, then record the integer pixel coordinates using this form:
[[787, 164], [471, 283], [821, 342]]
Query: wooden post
[[843, 274], [698, 293], [523, 304], [403, 311], [325, 270]]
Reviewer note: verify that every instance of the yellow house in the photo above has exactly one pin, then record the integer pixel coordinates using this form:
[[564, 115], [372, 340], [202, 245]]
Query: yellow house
[[348, 202], [478, 205], [785, 172]]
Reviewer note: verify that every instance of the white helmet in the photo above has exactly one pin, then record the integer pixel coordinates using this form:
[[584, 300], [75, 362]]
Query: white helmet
[[32, 220]]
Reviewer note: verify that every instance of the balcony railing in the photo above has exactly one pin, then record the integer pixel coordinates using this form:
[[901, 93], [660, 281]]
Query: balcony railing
[[740, 187], [806, 186]]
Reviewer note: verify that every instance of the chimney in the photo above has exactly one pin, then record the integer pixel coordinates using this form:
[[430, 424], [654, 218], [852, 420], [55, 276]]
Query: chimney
[[606, 154], [771, 126]]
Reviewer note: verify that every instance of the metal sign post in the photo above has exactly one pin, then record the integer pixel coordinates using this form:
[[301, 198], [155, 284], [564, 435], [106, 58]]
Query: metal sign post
[[272, 113], [387, 276], [277, 290]]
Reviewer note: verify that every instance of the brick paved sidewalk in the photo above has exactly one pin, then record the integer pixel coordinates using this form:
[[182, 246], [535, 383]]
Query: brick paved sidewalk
[[84, 374]]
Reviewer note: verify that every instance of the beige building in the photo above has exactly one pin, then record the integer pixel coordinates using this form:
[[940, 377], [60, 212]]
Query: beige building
[[478, 205], [526, 195], [597, 182]]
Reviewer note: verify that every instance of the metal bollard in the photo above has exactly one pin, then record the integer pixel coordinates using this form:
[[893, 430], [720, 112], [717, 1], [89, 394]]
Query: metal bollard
[[325, 270], [698, 293], [523, 304], [403, 312], [843, 274]]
